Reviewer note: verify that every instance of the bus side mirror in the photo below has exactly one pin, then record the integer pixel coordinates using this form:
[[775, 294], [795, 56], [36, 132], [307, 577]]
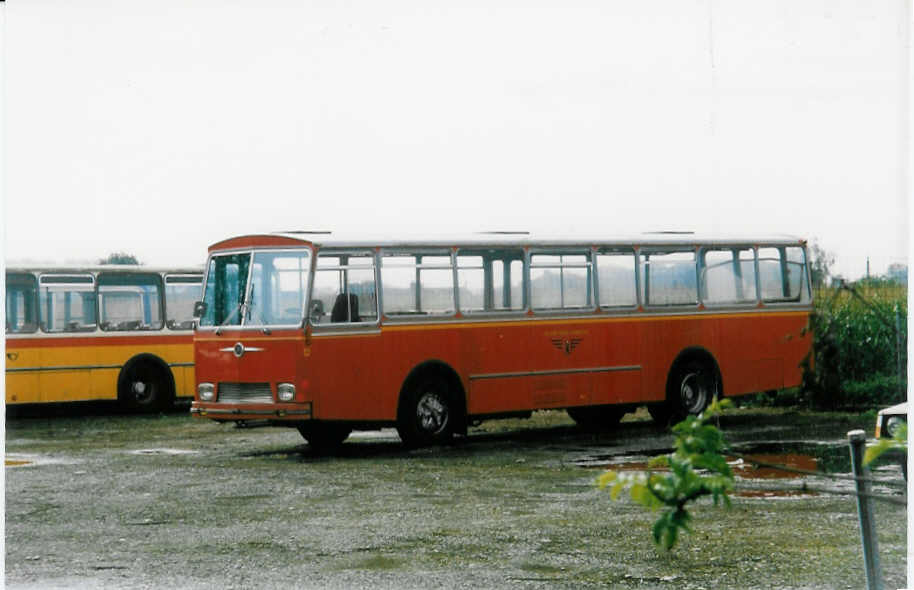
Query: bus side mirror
[[199, 309]]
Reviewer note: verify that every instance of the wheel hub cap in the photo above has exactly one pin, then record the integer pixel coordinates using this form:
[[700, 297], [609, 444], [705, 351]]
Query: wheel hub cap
[[432, 413], [692, 392]]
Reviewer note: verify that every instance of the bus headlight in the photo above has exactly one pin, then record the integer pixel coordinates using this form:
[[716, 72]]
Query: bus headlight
[[285, 392], [206, 392]]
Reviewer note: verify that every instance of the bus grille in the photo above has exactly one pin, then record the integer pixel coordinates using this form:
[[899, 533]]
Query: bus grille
[[245, 393]]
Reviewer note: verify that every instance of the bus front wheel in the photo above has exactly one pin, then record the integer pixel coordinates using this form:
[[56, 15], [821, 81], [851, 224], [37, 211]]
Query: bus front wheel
[[426, 415]]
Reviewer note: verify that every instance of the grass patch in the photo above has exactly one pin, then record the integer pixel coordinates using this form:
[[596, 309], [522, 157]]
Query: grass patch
[[540, 568], [379, 563]]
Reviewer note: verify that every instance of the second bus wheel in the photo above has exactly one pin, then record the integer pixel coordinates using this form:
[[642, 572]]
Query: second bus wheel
[[596, 418], [324, 436], [691, 387], [144, 386], [426, 414], [694, 386]]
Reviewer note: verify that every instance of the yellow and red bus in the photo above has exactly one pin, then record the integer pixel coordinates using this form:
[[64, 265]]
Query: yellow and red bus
[[430, 335], [112, 332]]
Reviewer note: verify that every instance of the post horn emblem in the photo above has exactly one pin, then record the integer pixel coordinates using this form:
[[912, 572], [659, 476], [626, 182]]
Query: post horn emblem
[[566, 346], [238, 350]]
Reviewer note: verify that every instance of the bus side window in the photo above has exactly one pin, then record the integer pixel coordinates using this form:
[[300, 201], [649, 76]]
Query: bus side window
[[668, 277], [21, 303], [561, 281], [181, 291], [471, 283], [728, 276], [129, 301], [344, 284], [616, 278], [490, 279], [67, 303], [417, 283], [797, 279], [782, 274]]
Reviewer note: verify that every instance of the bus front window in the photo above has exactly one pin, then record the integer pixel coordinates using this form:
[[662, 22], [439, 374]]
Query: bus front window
[[275, 296], [279, 285], [226, 282]]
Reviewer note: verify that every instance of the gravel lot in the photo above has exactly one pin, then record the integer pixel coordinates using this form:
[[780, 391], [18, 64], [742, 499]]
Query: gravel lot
[[96, 499]]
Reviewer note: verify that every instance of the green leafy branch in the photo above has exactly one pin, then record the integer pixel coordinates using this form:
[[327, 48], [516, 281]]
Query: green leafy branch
[[697, 467], [898, 441]]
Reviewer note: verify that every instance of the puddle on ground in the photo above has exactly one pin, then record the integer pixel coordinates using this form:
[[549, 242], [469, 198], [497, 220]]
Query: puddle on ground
[[822, 457], [774, 493], [25, 460], [747, 467], [765, 466], [806, 456], [753, 462]]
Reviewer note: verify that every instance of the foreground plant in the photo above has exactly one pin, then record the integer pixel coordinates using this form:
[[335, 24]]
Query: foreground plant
[[696, 468], [898, 441]]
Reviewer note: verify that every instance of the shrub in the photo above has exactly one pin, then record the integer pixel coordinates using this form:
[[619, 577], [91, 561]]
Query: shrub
[[854, 347]]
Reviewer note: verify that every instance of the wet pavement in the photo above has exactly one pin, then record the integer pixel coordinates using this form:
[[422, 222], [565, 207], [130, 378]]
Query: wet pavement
[[116, 501]]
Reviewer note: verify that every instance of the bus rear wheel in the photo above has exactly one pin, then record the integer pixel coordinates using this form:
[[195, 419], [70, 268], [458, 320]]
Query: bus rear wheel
[[145, 387], [691, 387], [596, 418], [426, 415], [324, 436]]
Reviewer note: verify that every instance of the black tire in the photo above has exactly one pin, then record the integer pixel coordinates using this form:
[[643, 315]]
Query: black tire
[[660, 413], [427, 412], [597, 418], [144, 386], [324, 436], [691, 387]]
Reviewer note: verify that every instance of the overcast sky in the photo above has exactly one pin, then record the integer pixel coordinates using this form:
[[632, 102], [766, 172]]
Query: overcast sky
[[160, 128]]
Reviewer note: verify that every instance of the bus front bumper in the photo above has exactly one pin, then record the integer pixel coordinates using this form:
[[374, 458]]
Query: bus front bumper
[[294, 412]]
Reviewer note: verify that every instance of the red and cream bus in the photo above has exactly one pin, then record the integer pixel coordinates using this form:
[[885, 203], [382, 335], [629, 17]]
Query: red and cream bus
[[113, 332], [431, 335]]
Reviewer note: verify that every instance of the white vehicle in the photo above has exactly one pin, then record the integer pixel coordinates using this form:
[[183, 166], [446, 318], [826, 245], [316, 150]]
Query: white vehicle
[[888, 421]]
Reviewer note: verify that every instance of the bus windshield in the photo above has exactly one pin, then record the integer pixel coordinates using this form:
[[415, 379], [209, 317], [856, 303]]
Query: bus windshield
[[275, 295]]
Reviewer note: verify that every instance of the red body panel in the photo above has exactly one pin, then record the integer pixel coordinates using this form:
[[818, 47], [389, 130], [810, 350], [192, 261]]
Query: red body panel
[[278, 360], [511, 365]]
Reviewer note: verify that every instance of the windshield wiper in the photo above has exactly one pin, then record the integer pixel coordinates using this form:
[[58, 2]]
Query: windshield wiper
[[240, 307]]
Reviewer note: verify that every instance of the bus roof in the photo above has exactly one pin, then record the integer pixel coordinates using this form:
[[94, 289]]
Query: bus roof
[[331, 239], [96, 268]]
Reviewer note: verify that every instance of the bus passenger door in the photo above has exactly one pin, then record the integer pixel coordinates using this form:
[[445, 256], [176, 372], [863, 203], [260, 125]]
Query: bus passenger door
[[67, 307]]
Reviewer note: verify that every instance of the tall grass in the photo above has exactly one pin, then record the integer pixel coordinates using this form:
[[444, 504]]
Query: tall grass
[[854, 347]]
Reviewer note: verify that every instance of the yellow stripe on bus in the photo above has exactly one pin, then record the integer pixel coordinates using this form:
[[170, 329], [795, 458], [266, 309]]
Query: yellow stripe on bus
[[76, 373]]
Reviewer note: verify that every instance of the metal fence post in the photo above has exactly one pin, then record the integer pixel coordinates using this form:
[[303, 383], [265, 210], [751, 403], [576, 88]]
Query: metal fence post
[[857, 440], [898, 365]]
